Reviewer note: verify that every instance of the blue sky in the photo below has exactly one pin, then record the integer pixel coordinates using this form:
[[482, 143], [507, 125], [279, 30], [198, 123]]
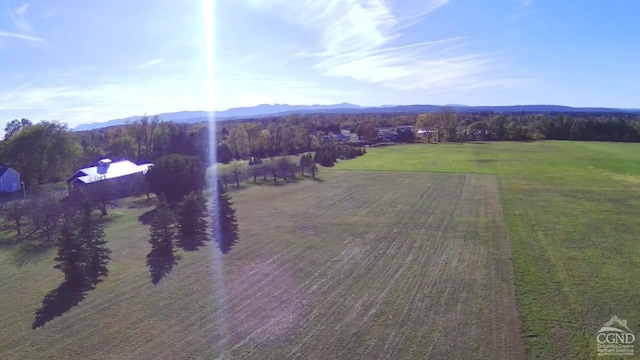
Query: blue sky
[[86, 61]]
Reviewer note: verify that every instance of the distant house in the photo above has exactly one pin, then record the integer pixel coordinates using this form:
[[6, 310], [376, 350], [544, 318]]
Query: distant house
[[341, 137], [387, 135], [9, 179], [106, 170], [328, 138]]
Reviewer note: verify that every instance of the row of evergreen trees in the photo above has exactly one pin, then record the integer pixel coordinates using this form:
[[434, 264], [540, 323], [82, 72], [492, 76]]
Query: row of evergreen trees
[[328, 155], [83, 255], [187, 229]]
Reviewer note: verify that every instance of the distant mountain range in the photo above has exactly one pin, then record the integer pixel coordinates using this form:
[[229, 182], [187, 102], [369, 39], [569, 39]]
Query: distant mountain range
[[265, 110]]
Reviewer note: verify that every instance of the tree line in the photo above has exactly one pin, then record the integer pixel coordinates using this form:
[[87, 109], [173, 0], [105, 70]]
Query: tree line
[[49, 151], [448, 125]]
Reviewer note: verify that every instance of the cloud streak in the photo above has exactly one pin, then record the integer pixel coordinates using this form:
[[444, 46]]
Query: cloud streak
[[25, 30], [362, 40], [21, 36], [149, 63]]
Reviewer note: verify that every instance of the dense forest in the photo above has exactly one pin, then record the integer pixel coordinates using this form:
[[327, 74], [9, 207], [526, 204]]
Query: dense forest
[[49, 151]]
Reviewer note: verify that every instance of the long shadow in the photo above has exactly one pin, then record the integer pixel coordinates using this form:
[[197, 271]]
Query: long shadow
[[142, 203], [59, 301], [227, 237], [160, 261], [226, 243], [106, 220], [25, 254], [193, 243], [147, 217]]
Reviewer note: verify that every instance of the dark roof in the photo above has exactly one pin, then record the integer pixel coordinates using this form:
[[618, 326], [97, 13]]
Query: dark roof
[[3, 169]]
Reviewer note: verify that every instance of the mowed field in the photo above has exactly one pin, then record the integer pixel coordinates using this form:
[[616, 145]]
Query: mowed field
[[363, 265], [572, 213]]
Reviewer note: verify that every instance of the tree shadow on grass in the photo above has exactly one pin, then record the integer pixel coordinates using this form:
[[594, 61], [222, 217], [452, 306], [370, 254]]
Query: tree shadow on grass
[[226, 243], [147, 217], [142, 203], [24, 254], [59, 301], [160, 262], [192, 243], [112, 217]]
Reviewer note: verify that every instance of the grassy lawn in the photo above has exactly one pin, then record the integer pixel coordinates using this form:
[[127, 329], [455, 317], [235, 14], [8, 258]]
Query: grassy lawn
[[357, 266], [572, 214]]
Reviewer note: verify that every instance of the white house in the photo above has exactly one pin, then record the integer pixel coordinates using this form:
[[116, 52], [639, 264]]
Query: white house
[[9, 179]]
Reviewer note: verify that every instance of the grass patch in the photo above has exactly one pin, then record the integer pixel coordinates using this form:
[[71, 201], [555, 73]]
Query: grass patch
[[329, 269], [571, 210]]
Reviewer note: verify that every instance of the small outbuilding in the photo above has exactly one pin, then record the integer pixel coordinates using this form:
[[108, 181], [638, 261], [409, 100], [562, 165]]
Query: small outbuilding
[[9, 179]]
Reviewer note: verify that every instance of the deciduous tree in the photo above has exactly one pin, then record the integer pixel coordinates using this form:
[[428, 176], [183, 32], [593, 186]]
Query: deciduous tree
[[44, 152], [174, 176], [239, 142]]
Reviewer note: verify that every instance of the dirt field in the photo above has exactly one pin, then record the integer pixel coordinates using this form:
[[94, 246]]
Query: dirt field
[[364, 265]]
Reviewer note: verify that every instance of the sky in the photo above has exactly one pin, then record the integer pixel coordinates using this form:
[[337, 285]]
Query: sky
[[89, 61]]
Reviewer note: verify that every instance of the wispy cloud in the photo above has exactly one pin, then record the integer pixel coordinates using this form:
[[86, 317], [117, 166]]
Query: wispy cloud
[[20, 23], [20, 36], [103, 100], [525, 8], [149, 63], [248, 58], [363, 40], [18, 16]]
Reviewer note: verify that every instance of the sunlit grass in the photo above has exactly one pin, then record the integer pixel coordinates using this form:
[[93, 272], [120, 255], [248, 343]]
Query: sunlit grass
[[572, 211]]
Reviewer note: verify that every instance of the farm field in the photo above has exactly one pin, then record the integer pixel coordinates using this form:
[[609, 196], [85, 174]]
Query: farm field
[[361, 265], [572, 214]]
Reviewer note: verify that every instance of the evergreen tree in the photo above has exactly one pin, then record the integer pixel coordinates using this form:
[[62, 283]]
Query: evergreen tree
[[83, 258], [96, 254], [192, 223], [71, 257], [225, 224], [161, 259]]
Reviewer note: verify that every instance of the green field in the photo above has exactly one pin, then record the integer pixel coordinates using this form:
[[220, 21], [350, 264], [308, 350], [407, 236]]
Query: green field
[[407, 252], [360, 265], [572, 214]]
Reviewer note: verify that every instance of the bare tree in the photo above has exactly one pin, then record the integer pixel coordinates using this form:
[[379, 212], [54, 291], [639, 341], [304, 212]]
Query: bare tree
[[272, 168], [15, 213], [255, 171], [237, 171], [46, 219], [286, 167]]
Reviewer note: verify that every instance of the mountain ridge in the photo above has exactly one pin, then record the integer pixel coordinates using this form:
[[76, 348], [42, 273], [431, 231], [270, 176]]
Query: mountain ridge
[[266, 110]]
